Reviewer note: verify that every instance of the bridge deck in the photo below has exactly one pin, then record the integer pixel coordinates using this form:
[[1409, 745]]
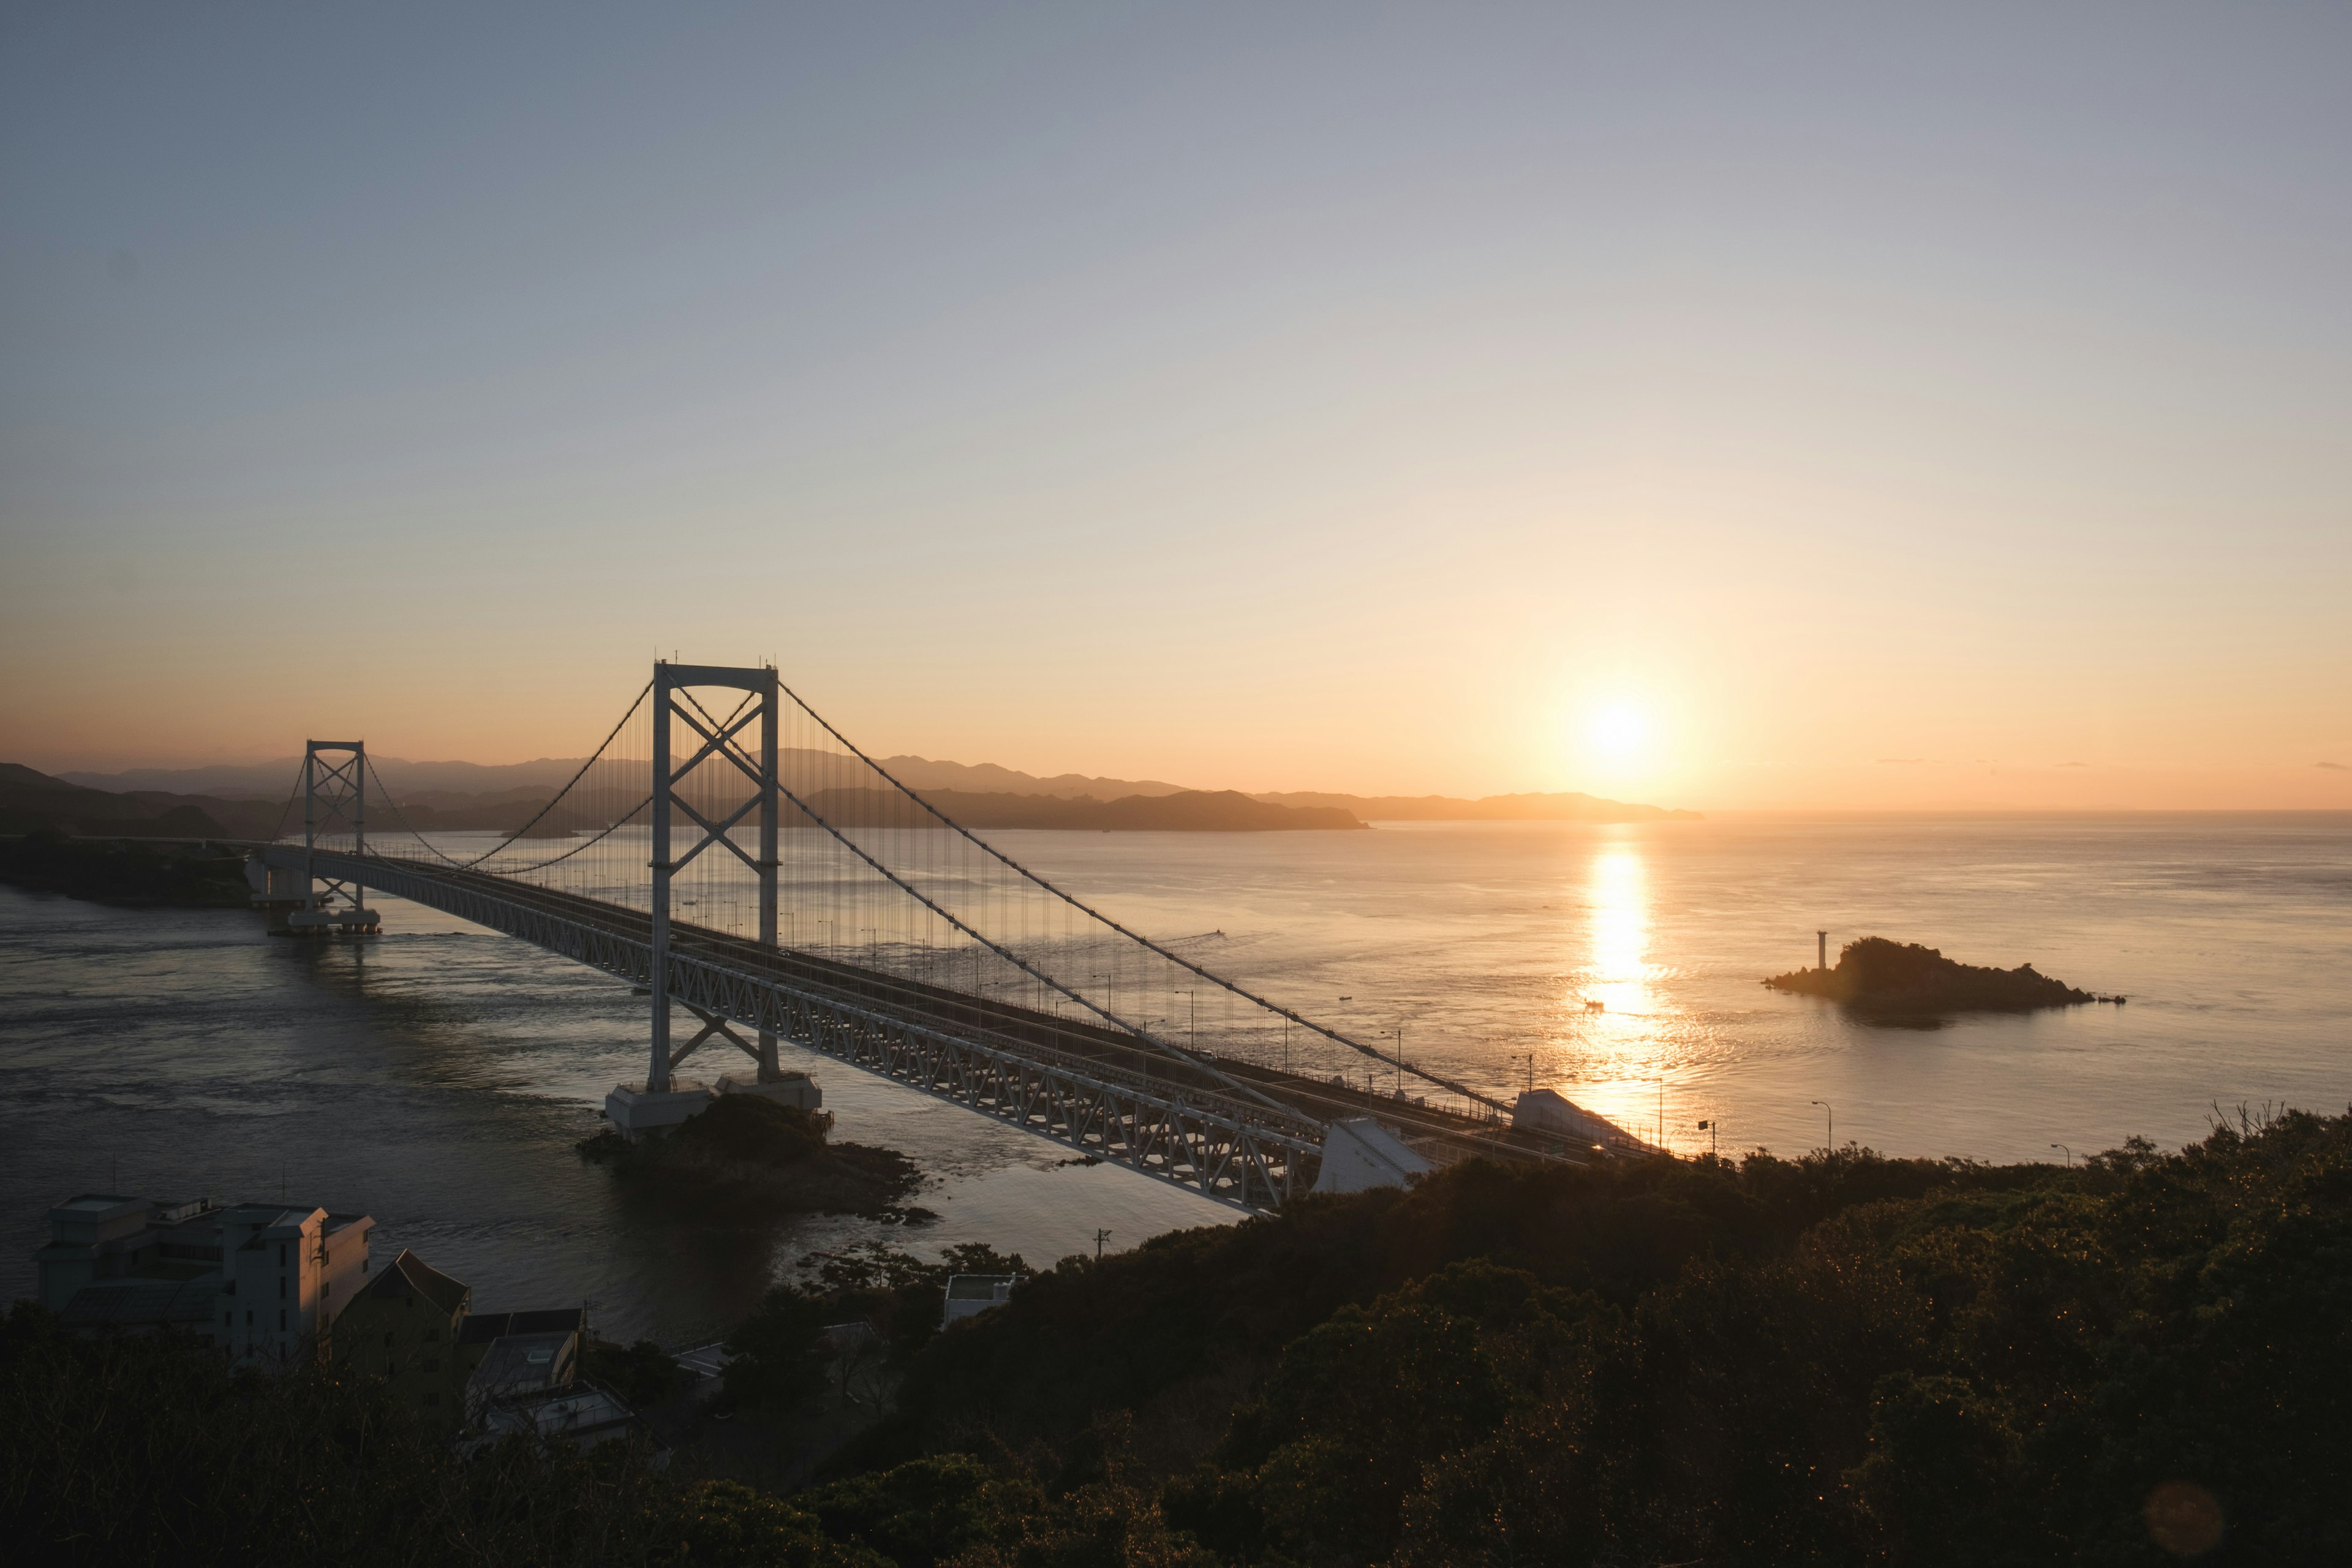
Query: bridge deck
[[1105, 1092]]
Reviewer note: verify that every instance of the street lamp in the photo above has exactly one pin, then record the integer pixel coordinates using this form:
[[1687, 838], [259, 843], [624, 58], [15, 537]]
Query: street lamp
[[1831, 1111], [2068, 1152]]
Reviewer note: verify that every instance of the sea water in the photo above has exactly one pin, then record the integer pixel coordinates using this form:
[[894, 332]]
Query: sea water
[[437, 1077]]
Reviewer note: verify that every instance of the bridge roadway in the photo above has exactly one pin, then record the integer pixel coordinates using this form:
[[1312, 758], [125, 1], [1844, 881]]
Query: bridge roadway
[[1100, 1091]]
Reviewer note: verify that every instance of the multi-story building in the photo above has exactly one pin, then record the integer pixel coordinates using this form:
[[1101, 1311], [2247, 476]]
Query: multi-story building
[[263, 1281], [403, 1327], [286, 1273]]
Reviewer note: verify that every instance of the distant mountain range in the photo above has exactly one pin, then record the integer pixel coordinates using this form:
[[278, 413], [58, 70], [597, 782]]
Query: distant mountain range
[[245, 801], [30, 801], [472, 788]]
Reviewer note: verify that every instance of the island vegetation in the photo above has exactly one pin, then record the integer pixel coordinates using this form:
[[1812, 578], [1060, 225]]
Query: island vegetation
[[1876, 976], [749, 1153], [1836, 1359], [178, 873]]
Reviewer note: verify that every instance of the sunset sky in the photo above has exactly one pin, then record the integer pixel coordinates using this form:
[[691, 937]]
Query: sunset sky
[[1728, 406]]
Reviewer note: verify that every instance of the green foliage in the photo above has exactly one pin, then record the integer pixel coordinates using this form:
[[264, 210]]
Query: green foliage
[[724, 1524], [955, 1512], [643, 1374], [778, 1361], [1842, 1359], [143, 1451], [1839, 1359], [917, 1513], [129, 871], [747, 1129]]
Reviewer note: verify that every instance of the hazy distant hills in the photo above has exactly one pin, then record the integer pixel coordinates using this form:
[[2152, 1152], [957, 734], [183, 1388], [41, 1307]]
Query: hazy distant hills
[[1185, 811], [30, 801], [447, 796], [273, 780]]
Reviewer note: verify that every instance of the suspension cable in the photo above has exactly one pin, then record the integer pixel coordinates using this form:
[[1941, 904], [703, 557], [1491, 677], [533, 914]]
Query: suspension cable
[[1178, 959], [526, 827], [1000, 951]]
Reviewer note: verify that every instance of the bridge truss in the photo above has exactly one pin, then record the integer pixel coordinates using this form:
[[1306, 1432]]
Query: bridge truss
[[816, 898], [1225, 1149]]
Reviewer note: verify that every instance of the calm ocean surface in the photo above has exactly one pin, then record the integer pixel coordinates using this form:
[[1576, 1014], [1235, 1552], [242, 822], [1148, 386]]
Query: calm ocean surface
[[438, 1075]]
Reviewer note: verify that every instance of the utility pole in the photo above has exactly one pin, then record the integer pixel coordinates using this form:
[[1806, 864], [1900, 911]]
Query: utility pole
[[1822, 947], [1100, 1237]]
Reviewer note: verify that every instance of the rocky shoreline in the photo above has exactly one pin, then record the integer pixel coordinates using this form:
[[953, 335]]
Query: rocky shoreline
[[1876, 976], [748, 1152]]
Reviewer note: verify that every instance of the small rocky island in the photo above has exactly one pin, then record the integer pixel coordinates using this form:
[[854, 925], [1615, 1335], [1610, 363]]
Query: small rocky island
[[1876, 976], [752, 1152]]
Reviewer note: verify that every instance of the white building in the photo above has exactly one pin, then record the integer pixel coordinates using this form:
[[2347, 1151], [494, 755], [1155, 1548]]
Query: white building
[[970, 1295], [260, 1280]]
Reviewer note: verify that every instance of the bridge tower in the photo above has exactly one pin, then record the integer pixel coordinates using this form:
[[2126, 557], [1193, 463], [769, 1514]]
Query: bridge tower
[[334, 797], [665, 1100]]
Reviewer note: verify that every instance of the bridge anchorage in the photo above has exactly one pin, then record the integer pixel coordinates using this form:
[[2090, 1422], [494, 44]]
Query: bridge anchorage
[[730, 855]]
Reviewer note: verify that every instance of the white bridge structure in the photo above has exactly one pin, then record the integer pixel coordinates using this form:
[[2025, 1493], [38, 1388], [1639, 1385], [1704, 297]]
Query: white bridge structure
[[732, 855]]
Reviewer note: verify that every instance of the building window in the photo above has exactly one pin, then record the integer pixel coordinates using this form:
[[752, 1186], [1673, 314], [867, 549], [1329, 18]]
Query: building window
[[282, 1287], [248, 1317], [281, 1255], [432, 1399], [387, 1339], [433, 1366], [281, 1319]]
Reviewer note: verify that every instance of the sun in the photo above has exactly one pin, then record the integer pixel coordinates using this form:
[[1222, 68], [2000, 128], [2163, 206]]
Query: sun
[[1619, 729]]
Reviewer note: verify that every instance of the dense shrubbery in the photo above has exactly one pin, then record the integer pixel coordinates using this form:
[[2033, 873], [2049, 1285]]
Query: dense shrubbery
[[1840, 1359], [129, 871], [1837, 1359], [779, 1359], [746, 1152]]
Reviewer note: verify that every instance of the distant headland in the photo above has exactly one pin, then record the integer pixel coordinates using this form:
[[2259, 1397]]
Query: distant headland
[[246, 800], [1876, 976]]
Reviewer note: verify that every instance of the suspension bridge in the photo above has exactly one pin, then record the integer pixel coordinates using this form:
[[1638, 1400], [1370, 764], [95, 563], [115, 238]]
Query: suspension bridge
[[732, 855]]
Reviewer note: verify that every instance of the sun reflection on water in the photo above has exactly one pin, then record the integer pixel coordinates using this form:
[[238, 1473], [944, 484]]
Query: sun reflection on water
[[1613, 1001], [1617, 901]]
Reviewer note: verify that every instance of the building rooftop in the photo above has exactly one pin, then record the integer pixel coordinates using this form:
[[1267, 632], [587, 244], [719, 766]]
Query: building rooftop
[[521, 1363], [584, 1416], [411, 1275], [98, 1203], [485, 1328]]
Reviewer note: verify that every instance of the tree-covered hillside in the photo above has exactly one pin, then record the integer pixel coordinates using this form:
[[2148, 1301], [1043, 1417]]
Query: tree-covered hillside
[[1842, 1359]]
